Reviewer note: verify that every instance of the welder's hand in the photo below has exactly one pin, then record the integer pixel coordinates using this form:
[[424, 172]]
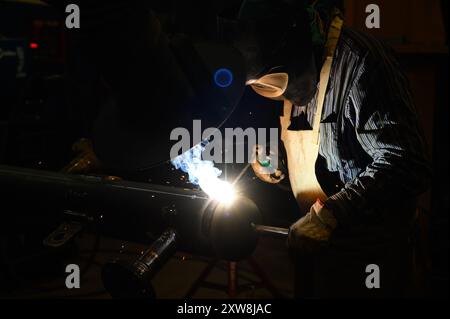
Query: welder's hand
[[262, 172], [313, 231]]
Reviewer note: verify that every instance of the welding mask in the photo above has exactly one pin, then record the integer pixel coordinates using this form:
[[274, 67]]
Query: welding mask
[[275, 41]]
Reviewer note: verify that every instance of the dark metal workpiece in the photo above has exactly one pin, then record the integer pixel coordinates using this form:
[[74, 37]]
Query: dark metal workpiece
[[65, 232], [124, 279], [131, 211]]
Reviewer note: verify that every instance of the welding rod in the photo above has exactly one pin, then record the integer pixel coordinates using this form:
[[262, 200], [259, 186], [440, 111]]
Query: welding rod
[[269, 230]]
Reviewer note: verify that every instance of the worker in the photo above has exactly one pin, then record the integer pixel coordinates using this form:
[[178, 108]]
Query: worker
[[356, 157]]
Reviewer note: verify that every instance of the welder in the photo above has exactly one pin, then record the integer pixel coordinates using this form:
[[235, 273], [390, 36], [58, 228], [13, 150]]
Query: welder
[[356, 157]]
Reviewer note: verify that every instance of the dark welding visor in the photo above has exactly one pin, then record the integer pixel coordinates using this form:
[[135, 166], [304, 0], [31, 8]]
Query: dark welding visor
[[273, 35], [168, 90]]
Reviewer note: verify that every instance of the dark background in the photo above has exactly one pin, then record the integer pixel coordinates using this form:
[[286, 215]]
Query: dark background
[[43, 113]]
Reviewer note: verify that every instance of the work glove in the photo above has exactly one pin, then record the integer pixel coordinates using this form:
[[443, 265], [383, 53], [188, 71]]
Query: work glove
[[263, 170], [312, 232]]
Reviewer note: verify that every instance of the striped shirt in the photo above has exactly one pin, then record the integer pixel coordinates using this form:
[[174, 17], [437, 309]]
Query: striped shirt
[[370, 136]]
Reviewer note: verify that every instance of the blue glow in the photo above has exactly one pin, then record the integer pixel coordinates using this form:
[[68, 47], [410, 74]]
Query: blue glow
[[204, 174], [223, 78]]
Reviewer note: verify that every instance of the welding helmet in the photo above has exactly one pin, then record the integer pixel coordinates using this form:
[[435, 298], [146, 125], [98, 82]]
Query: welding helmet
[[275, 40], [163, 85]]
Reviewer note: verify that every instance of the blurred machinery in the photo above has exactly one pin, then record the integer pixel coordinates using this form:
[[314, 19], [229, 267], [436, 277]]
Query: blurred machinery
[[34, 117]]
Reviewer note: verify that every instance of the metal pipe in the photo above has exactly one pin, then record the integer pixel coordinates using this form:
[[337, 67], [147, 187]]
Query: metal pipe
[[132, 211], [269, 230], [125, 279]]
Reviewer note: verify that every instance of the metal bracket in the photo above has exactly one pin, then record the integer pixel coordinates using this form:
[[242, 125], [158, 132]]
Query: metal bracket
[[65, 232]]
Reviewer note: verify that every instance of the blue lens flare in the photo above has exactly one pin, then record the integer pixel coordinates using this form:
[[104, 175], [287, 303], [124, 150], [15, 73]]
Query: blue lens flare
[[223, 78]]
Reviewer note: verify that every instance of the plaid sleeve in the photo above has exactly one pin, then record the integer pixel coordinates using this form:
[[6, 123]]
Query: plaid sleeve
[[386, 127]]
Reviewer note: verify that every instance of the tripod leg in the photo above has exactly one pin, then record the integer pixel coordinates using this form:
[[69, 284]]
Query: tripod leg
[[265, 279], [196, 285], [232, 279]]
